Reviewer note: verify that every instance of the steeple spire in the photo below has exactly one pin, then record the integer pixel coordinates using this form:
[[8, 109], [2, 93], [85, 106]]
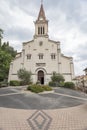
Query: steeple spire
[[41, 24], [41, 15]]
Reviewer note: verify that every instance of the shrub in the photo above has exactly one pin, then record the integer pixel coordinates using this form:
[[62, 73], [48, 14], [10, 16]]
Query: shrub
[[56, 84], [57, 77], [38, 82], [70, 85], [0, 84], [35, 88], [38, 88], [53, 84], [14, 83], [46, 88], [57, 80], [22, 83], [62, 84], [24, 76], [3, 84]]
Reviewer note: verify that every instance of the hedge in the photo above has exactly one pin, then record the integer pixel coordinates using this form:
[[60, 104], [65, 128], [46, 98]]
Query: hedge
[[56, 84], [3, 84], [38, 88], [70, 85], [14, 83]]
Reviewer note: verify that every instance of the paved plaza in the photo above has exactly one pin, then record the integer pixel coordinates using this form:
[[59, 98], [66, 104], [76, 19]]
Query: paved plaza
[[61, 109]]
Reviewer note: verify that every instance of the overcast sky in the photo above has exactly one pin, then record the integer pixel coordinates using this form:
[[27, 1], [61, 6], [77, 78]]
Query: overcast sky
[[67, 24]]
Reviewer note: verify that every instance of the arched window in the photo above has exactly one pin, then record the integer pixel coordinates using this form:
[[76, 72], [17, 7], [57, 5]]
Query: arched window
[[40, 55], [43, 30], [28, 56], [38, 30], [53, 56]]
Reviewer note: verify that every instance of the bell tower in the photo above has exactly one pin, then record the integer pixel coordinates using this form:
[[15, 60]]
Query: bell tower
[[41, 24]]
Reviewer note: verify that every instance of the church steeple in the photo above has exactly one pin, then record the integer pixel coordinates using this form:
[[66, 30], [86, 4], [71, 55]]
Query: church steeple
[[41, 24], [41, 15]]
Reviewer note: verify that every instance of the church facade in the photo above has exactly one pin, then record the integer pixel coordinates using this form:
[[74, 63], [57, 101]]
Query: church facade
[[42, 56]]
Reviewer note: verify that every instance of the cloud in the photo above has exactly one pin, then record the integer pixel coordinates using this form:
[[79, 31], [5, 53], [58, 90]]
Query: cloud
[[68, 24], [15, 23], [19, 33]]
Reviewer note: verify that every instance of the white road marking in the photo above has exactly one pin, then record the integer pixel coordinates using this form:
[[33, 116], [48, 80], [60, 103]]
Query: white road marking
[[71, 96], [66, 95], [9, 94]]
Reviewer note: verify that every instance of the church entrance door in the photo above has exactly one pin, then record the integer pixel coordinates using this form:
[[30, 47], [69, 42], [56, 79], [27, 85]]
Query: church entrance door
[[41, 76]]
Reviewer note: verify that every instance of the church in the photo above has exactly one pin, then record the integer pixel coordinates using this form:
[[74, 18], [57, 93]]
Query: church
[[42, 56]]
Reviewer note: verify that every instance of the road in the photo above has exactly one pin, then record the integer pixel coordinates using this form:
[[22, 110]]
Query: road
[[18, 98]]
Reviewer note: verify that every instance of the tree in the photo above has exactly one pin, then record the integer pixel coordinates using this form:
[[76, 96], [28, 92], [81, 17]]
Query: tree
[[5, 60], [7, 53], [57, 77], [56, 80], [5, 47], [24, 76], [1, 32]]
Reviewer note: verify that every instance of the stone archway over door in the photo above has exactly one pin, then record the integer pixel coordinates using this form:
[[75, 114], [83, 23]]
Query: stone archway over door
[[41, 76]]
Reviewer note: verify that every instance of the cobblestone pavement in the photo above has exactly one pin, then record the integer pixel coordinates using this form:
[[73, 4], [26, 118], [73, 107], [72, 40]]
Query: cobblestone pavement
[[67, 118], [74, 118]]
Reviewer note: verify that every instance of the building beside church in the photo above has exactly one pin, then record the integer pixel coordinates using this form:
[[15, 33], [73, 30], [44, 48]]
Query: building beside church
[[85, 71], [42, 56]]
